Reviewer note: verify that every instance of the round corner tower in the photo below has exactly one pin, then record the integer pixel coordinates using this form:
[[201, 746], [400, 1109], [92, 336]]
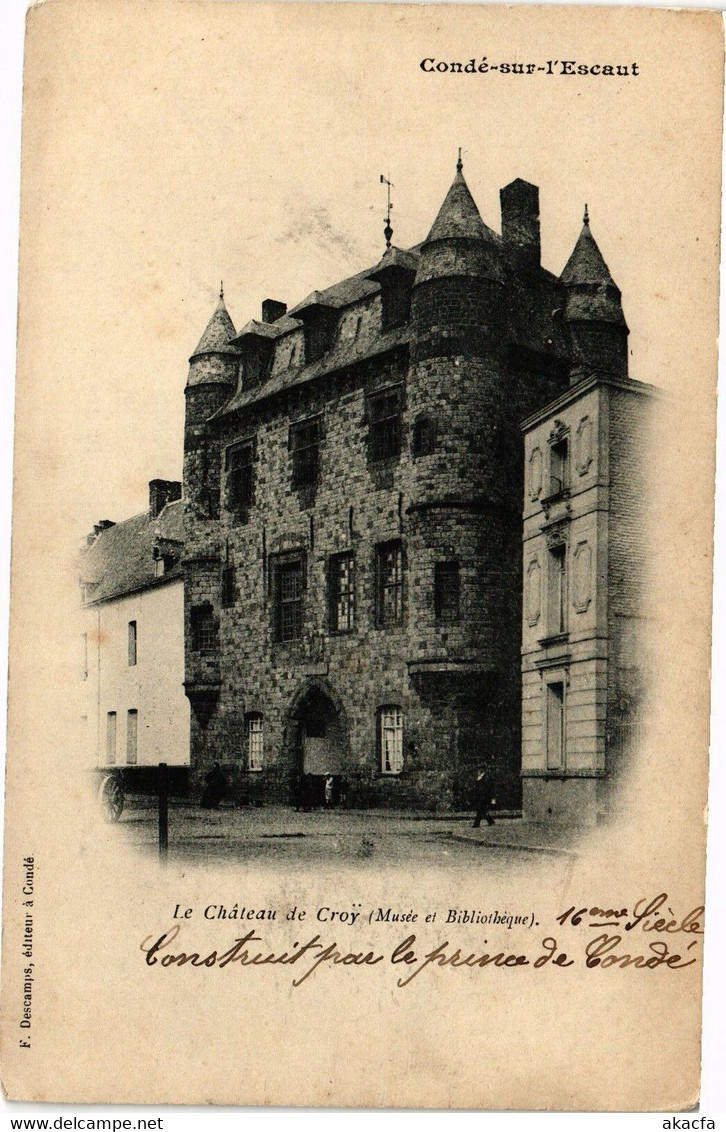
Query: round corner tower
[[464, 514], [593, 311], [213, 369]]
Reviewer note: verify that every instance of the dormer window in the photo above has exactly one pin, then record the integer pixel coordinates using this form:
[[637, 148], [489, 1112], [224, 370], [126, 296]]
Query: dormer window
[[395, 299], [319, 331], [395, 274], [167, 553], [320, 321], [256, 362]]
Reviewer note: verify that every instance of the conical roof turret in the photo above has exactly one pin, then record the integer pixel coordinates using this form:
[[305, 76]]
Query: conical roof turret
[[459, 243], [458, 217], [219, 332], [592, 291], [216, 359]]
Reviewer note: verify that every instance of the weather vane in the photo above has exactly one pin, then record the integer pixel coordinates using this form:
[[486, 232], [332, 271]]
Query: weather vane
[[387, 230]]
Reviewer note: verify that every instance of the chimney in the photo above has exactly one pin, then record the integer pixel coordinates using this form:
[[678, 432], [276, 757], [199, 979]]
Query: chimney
[[272, 310], [520, 222], [98, 528], [162, 492]]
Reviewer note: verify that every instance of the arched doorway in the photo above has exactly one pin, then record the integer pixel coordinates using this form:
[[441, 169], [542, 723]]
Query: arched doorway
[[317, 741]]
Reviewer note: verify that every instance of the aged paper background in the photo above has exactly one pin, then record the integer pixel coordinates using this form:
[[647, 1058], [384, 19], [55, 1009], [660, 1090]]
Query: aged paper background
[[189, 165]]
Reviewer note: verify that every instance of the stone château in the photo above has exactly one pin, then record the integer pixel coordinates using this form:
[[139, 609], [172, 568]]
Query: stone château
[[353, 486]]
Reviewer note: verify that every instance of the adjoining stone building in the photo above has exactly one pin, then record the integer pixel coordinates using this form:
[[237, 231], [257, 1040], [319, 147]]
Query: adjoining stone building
[[353, 508]]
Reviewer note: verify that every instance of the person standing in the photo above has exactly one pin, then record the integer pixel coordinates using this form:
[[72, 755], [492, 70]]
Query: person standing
[[483, 797], [297, 791], [215, 789]]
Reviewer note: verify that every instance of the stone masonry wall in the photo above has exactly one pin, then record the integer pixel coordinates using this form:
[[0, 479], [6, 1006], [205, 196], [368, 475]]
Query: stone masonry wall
[[458, 683]]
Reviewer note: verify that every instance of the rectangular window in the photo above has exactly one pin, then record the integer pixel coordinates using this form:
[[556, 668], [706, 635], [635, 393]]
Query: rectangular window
[[132, 643], [384, 422], [84, 656], [557, 590], [560, 467], [389, 584], [255, 741], [229, 586], [239, 465], [132, 736], [391, 740], [204, 629], [342, 593], [555, 726], [209, 493], [446, 591], [111, 737], [304, 443], [289, 600]]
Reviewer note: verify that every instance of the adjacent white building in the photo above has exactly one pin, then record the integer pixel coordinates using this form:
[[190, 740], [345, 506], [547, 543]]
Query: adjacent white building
[[132, 646], [584, 609]]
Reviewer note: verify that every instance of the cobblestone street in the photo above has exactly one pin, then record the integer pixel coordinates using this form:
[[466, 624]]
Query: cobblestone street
[[278, 836]]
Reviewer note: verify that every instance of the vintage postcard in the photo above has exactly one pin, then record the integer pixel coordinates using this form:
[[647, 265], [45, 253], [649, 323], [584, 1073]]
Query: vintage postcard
[[362, 555]]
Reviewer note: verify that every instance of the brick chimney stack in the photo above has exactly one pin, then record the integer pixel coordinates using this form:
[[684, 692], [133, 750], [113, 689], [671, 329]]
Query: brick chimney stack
[[520, 222], [162, 492], [272, 310]]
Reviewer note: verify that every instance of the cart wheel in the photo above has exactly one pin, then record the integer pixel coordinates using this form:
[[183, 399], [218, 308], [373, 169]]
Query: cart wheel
[[111, 797]]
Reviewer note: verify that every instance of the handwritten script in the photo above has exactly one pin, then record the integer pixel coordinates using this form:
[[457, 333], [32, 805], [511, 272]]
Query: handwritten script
[[635, 937]]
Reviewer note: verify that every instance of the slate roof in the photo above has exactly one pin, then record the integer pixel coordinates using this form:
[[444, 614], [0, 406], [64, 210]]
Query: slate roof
[[395, 258], [586, 264], [340, 356], [342, 294], [219, 333], [459, 217], [263, 329], [459, 243], [121, 561], [271, 330], [592, 294]]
